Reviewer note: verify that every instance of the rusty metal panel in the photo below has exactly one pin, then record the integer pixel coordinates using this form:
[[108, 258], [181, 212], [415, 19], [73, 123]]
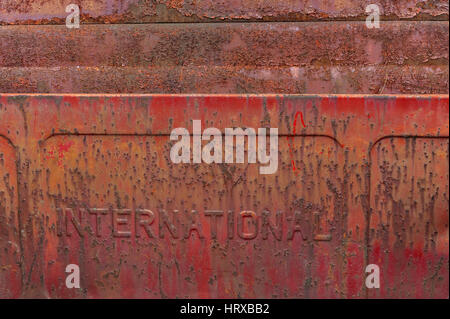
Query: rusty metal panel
[[227, 79], [226, 44], [10, 273], [360, 180], [409, 202], [328, 57], [133, 11]]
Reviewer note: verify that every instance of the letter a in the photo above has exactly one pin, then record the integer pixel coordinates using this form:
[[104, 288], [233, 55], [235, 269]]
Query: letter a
[[73, 279], [374, 16], [73, 19], [215, 145], [373, 280], [184, 145]]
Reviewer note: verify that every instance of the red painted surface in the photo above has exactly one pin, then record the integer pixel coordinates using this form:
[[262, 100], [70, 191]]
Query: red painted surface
[[370, 186]]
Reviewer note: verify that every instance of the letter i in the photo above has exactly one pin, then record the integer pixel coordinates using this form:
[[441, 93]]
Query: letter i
[[230, 224]]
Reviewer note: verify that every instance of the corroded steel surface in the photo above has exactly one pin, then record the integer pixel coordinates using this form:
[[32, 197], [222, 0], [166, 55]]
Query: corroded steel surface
[[326, 57], [88, 180], [227, 80], [227, 44], [132, 11]]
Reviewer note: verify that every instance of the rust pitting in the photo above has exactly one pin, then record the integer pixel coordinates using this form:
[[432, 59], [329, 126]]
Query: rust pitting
[[142, 11], [340, 212]]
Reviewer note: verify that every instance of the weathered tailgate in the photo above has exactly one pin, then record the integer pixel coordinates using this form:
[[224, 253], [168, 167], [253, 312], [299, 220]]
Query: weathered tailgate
[[365, 179]]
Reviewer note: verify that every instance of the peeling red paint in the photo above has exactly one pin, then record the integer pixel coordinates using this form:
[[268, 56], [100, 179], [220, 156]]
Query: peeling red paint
[[109, 155]]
